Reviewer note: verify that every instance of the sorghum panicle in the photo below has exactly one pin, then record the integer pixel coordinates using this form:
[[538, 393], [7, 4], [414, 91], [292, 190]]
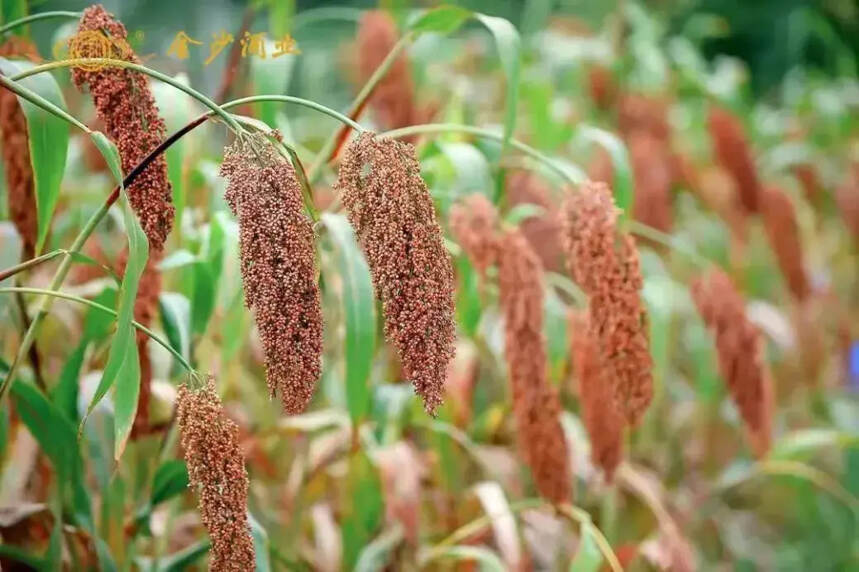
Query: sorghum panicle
[[643, 113], [16, 153], [391, 210], [740, 353], [734, 153], [605, 264], [544, 230], [847, 199], [602, 419], [216, 470], [278, 264], [651, 166], [125, 104], [473, 223], [782, 231], [536, 407]]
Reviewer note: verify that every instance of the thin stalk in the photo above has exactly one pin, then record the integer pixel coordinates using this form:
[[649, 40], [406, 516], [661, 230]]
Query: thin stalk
[[608, 512], [306, 189], [332, 145], [477, 525], [13, 270], [39, 101], [40, 16], [66, 296], [78, 243], [656, 235], [138, 68], [299, 101], [584, 519]]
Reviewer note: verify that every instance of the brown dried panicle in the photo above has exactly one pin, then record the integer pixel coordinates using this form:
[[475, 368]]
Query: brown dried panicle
[[473, 223], [124, 102], [740, 353], [536, 407], [782, 231], [544, 230], [602, 419], [391, 210], [652, 170], [278, 264], [393, 99], [605, 264], [734, 153], [15, 142], [216, 470]]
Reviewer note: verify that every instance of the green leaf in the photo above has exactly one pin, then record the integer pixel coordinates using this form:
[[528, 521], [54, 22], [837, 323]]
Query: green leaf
[[522, 212], [178, 561], [441, 20], [110, 153], [803, 443], [363, 510], [171, 478], [48, 138], [175, 107], [488, 560], [65, 394], [262, 545], [176, 318], [377, 554], [623, 189], [360, 314], [509, 50], [203, 297], [588, 557]]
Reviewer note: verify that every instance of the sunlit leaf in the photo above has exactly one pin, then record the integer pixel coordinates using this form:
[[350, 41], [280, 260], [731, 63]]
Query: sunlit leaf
[[509, 50], [623, 184], [442, 20]]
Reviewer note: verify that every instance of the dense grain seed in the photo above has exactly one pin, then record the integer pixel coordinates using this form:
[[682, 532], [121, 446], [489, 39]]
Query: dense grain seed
[[734, 154], [473, 223]]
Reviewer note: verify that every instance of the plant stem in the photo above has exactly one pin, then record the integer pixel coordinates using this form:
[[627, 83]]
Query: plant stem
[[585, 522], [108, 62], [297, 100], [97, 306], [656, 235], [39, 101], [13, 270], [78, 243], [40, 16]]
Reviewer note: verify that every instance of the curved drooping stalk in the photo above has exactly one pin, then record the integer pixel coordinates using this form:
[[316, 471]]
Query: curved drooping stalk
[[40, 16]]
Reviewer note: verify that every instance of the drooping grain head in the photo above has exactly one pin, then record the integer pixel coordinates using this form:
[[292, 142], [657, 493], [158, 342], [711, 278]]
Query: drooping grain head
[[847, 199], [734, 153], [536, 407], [602, 419], [601, 86], [544, 230], [605, 264], [391, 210], [782, 231], [739, 346], [639, 112], [474, 225], [393, 99], [124, 102], [216, 471], [652, 171], [278, 265], [21, 196]]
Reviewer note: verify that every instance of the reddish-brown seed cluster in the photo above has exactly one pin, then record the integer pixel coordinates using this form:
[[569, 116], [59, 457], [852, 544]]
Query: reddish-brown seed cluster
[[536, 406], [643, 113], [651, 167], [601, 86], [542, 231], [602, 419], [847, 198], [783, 233], [125, 104], [806, 174], [278, 267], [734, 153], [216, 469], [16, 154], [740, 352], [393, 99], [473, 223], [605, 264], [392, 213]]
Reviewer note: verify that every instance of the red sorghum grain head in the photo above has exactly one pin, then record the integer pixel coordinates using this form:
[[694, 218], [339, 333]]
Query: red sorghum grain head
[[394, 97], [543, 231], [602, 419], [740, 353], [734, 153], [717, 190], [847, 198], [647, 113], [392, 213], [216, 470], [536, 407], [278, 267], [601, 86], [16, 153], [125, 104], [782, 231], [652, 170], [605, 264], [806, 174], [474, 225]]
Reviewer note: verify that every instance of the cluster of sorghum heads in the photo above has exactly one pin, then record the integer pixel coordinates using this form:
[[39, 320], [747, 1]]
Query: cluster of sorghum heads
[[473, 223], [734, 153], [544, 230], [393, 99], [605, 264], [652, 171], [16, 154], [740, 353], [536, 407], [278, 265], [125, 104], [391, 210], [602, 419], [782, 231], [216, 469]]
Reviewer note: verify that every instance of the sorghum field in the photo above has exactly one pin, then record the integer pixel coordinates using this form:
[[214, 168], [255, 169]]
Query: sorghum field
[[537, 285]]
